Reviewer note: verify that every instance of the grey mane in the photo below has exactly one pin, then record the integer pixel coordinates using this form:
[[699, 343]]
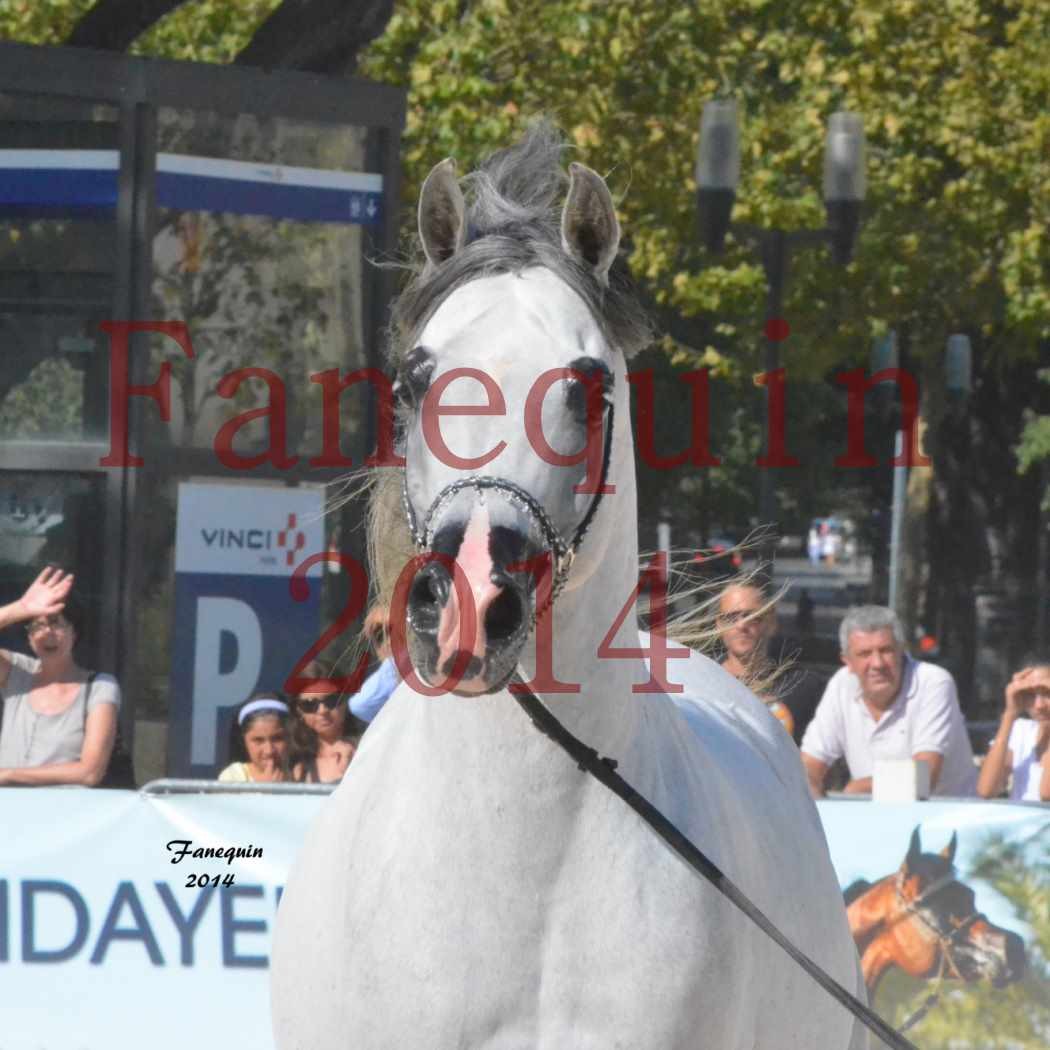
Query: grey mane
[[513, 223]]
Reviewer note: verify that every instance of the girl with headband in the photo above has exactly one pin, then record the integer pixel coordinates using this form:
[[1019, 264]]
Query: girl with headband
[[259, 741]]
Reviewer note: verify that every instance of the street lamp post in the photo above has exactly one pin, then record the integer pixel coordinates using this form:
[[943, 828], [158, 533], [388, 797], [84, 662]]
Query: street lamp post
[[717, 178]]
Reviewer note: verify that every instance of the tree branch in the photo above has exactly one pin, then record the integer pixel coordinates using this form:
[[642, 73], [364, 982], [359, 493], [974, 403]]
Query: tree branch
[[112, 25], [318, 36]]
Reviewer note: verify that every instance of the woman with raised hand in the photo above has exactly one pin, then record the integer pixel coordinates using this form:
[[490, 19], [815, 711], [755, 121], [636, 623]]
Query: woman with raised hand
[[60, 720], [1022, 744], [259, 742]]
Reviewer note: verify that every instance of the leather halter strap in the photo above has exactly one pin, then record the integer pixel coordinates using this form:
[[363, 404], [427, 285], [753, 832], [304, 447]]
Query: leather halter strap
[[913, 909], [563, 552], [945, 938]]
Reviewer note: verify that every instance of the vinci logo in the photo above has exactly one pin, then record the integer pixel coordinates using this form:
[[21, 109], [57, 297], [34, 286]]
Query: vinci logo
[[290, 539]]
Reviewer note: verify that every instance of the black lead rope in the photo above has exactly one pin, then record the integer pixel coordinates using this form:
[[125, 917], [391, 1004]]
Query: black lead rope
[[604, 770]]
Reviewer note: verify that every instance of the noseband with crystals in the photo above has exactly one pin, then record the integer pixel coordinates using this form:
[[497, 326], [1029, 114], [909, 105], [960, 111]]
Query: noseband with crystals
[[946, 939], [563, 552]]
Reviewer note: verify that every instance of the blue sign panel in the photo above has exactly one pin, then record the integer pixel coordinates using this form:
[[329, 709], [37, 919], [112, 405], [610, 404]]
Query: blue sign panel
[[81, 182], [237, 628], [46, 182], [274, 190]]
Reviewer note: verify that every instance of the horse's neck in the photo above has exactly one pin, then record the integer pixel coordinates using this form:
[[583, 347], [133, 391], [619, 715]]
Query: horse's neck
[[604, 712], [871, 909], [870, 916]]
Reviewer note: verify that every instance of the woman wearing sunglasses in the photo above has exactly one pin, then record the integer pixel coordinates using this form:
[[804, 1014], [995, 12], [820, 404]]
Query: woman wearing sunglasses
[[323, 737]]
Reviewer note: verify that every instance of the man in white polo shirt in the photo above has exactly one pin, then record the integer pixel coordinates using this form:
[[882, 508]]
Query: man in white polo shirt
[[884, 704]]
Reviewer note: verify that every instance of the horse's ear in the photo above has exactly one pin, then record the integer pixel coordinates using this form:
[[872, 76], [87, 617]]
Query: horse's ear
[[948, 853], [914, 850], [590, 231], [442, 213]]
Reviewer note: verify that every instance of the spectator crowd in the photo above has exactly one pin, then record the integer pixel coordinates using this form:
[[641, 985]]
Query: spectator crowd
[[883, 704], [60, 720]]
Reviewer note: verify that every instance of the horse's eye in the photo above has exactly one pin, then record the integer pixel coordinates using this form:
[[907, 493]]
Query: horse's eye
[[592, 373], [413, 379]]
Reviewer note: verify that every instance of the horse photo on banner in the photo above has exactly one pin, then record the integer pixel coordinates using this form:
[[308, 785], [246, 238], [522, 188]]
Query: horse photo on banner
[[949, 905]]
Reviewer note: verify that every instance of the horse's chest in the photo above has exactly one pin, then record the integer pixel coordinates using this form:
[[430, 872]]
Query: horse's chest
[[543, 917]]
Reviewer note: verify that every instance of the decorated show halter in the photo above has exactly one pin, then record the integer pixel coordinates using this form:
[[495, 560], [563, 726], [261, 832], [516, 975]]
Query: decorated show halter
[[604, 769], [946, 938], [563, 552]]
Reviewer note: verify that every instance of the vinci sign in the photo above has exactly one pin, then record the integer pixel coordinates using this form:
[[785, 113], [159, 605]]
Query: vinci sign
[[237, 629]]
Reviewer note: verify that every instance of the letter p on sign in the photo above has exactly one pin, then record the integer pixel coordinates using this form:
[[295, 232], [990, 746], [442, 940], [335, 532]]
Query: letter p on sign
[[213, 687]]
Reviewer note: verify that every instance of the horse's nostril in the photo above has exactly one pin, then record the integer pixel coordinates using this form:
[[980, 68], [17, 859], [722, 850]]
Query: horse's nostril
[[429, 593], [438, 586], [433, 585], [504, 616]]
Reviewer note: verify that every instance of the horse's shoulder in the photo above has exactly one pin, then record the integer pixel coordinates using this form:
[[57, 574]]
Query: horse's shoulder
[[722, 711], [709, 691]]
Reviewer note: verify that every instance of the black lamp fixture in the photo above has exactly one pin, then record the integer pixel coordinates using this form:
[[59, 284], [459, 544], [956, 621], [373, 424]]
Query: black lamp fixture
[[845, 181], [717, 170], [717, 178], [718, 175]]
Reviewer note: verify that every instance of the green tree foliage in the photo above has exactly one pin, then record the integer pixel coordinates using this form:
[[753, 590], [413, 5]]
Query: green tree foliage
[[40, 21], [955, 232], [205, 30], [199, 31], [953, 102], [49, 404], [1035, 440], [956, 235]]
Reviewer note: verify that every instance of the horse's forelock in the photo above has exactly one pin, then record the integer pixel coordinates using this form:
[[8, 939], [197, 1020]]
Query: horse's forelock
[[521, 183], [514, 223]]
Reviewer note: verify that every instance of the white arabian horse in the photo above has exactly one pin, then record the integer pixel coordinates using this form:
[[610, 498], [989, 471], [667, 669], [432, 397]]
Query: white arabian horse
[[467, 886]]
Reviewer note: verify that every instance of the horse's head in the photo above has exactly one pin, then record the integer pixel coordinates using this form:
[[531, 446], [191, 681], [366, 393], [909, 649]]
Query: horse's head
[[510, 389], [960, 941]]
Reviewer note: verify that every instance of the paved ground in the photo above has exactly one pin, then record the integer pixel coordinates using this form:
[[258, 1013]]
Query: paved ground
[[832, 588]]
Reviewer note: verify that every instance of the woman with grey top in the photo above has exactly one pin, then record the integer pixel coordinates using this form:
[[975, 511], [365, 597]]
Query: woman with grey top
[[60, 721]]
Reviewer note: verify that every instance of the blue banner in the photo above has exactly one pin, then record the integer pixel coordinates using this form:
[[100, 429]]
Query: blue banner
[[149, 919], [129, 921]]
